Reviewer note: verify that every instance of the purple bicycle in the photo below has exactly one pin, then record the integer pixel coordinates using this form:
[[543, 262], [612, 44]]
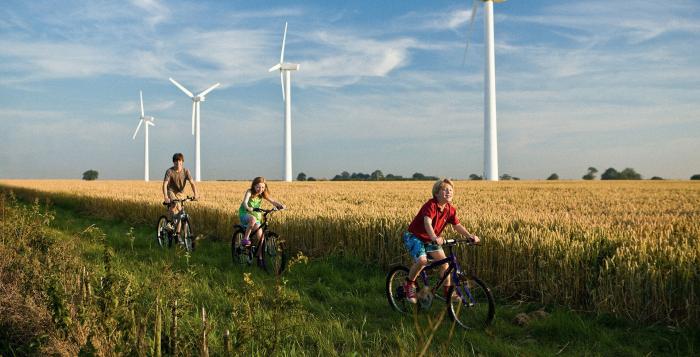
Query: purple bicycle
[[472, 307]]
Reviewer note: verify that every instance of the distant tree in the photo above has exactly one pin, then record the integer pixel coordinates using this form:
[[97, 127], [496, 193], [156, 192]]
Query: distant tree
[[418, 176], [90, 175], [393, 177], [311, 179], [506, 177], [553, 177], [591, 173], [695, 177], [301, 177], [475, 177], [629, 174], [345, 175], [656, 178], [377, 175], [610, 174]]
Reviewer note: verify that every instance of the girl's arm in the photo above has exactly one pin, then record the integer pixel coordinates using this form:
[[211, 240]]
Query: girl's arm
[[463, 231], [275, 203], [246, 198]]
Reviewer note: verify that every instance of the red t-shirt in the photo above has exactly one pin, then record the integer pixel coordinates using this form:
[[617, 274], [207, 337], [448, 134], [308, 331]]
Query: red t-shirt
[[440, 219]]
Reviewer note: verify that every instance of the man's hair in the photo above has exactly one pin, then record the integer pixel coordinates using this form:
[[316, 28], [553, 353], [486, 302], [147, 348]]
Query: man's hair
[[440, 184], [178, 157]]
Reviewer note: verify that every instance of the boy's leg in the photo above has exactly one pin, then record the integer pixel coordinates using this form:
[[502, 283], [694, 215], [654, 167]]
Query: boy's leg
[[416, 249], [439, 255]]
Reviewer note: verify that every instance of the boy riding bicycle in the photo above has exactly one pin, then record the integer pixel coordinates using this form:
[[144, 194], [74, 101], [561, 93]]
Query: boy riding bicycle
[[174, 187], [423, 235]]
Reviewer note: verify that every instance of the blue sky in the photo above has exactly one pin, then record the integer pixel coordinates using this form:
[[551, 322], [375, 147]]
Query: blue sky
[[381, 86]]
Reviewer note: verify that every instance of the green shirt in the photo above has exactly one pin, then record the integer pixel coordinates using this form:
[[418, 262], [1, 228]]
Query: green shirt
[[254, 202]]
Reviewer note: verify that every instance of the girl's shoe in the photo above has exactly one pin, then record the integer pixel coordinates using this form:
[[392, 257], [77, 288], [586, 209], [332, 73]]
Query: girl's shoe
[[245, 242]]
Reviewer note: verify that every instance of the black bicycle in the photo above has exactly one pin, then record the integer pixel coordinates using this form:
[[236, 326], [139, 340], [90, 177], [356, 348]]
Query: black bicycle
[[274, 252], [471, 304], [166, 230]]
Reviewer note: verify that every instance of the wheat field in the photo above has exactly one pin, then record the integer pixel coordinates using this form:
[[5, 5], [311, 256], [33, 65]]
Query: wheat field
[[627, 248]]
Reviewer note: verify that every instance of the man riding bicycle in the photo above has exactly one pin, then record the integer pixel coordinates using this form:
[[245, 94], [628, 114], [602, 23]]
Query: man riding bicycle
[[174, 187]]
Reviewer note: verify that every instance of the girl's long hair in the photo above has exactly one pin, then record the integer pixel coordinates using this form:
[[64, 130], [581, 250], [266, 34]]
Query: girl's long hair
[[257, 180]]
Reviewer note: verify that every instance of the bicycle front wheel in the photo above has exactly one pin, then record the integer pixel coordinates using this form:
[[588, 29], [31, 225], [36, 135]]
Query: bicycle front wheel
[[475, 307], [161, 232], [395, 294], [187, 236], [275, 255], [239, 253]]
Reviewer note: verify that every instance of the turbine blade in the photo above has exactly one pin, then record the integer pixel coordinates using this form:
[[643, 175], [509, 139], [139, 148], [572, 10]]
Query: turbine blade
[[282, 82], [284, 39], [469, 31], [137, 129], [275, 67], [209, 90], [194, 106], [189, 94], [141, 96]]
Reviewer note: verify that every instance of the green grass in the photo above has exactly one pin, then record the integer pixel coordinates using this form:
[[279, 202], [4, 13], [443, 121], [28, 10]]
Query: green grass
[[328, 306]]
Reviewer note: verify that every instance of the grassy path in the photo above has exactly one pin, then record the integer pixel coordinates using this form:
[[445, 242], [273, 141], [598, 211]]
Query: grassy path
[[337, 305]]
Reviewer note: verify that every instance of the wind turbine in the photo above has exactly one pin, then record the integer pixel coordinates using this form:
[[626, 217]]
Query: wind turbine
[[286, 79], [490, 128], [149, 122], [196, 99]]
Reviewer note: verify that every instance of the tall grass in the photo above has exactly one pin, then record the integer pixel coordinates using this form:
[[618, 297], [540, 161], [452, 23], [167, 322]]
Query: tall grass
[[631, 249]]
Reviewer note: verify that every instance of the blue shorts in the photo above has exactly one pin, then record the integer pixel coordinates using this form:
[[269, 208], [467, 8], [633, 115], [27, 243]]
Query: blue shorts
[[417, 248]]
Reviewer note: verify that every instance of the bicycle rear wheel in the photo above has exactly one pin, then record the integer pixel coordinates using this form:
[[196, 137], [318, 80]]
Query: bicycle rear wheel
[[275, 256], [239, 253], [475, 307], [187, 236], [395, 280], [162, 233]]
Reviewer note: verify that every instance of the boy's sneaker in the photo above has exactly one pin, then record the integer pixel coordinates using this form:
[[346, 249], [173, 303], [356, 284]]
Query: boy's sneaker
[[409, 289], [245, 242]]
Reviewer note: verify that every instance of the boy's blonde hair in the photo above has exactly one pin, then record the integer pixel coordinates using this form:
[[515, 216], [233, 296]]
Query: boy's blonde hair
[[439, 184]]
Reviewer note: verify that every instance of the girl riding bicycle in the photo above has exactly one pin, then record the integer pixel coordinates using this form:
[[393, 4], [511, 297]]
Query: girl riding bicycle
[[249, 217], [423, 235]]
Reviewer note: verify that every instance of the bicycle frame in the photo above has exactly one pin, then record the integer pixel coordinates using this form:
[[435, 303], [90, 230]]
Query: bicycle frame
[[453, 269]]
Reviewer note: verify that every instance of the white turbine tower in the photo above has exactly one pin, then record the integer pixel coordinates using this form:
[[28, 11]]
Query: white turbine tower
[[196, 99], [149, 122], [286, 79], [490, 128]]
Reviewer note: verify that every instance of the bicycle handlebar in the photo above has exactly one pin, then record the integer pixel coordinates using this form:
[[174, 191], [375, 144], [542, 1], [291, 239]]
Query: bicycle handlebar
[[266, 211], [181, 200], [452, 242]]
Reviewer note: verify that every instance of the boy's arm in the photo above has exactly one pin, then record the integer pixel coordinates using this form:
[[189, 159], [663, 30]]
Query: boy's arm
[[166, 199], [463, 231], [194, 189], [428, 223]]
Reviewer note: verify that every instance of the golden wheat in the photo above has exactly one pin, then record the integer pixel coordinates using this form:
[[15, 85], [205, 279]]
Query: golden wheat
[[627, 248]]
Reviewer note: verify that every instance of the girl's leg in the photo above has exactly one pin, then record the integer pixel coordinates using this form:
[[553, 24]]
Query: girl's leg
[[250, 222], [261, 240]]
